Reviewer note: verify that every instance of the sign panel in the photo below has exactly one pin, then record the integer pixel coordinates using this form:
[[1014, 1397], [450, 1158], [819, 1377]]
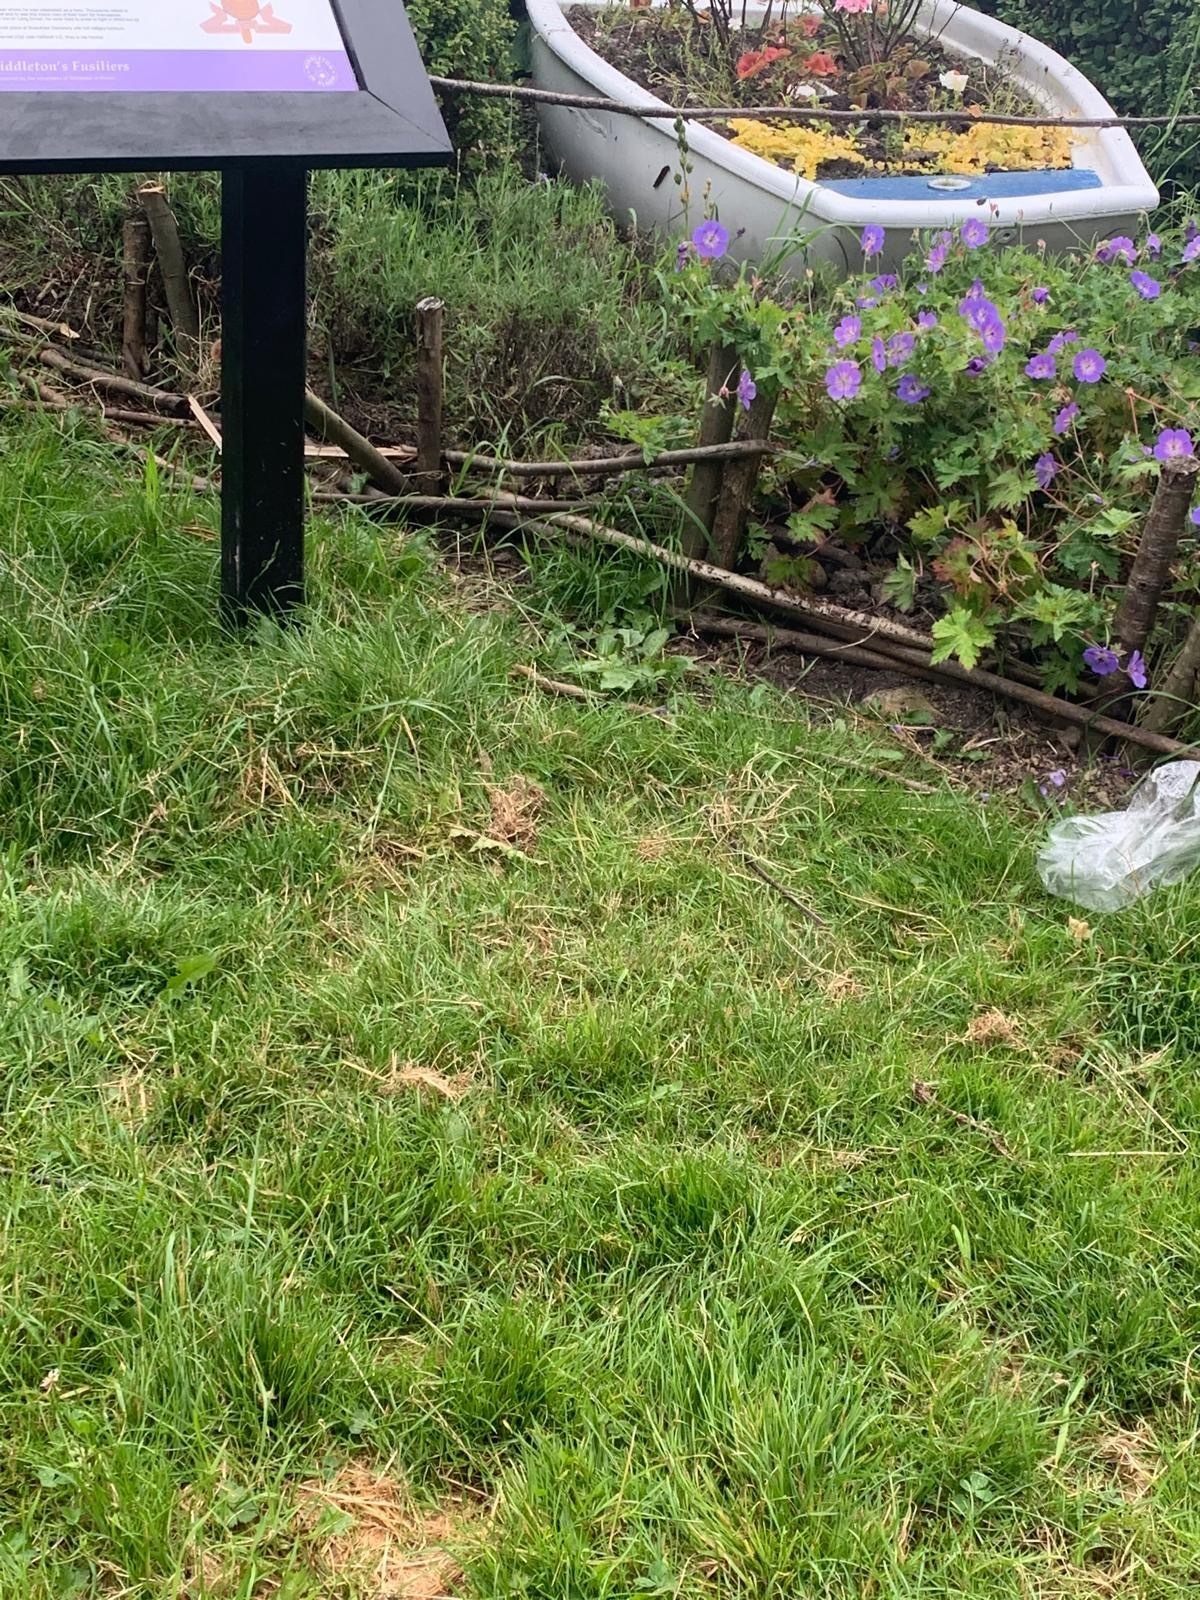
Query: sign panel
[[172, 46]]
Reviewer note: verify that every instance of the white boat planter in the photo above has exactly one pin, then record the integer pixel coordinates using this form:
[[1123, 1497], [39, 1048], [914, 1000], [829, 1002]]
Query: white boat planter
[[1104, 192]]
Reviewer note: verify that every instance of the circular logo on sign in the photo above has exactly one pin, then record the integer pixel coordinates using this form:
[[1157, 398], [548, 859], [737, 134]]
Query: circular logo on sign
[[320, 70]]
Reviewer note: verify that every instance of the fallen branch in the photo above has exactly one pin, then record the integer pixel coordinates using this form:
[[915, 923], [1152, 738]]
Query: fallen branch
[[568, 691], [112, 381], [777, 599], [792, 112], [761, 873], [914, 784], [42, 324], [809, 644], [335, 429], [925, 1095], [479, 506], [610, 466]]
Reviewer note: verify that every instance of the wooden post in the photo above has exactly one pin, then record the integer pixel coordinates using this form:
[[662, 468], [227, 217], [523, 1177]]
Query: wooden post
[[738, 484], [430, 395], [184, 317], [135, 266], [716, 425], [1151, 570]]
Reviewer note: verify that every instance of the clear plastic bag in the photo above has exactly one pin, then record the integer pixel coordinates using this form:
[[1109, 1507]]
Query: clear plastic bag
[[1109, 861]]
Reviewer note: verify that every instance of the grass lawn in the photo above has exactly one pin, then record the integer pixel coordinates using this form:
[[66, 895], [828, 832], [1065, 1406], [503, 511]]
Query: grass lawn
[[422, 1132]]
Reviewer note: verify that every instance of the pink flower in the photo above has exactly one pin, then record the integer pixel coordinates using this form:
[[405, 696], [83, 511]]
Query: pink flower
[[855, 6], [821, 63]]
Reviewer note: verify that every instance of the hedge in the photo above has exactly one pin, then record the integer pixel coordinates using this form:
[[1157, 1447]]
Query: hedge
[[469, 39], [1143, 54]]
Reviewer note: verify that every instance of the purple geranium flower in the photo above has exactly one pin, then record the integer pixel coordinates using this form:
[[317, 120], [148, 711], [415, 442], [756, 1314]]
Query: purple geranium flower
[[911, 390], [747, 389], [973, 233], [927, 319], [899, 347], [1064, 419], [865, 301], [993, 336], [1121, 248], [1136, 668], [1098, 658], [1174, 444], [1191, 250], [1040, 296], [1041, 367], [711, 240], [681, 255], [1195, 516], [1060, 341], [843, 380], [873, 238], [884, 282], [936, 259], [1090, 366], [847, 331], [979, 311], [1149, 288], [1045, 470], [878, 354], [1153, 246], [978, 364]]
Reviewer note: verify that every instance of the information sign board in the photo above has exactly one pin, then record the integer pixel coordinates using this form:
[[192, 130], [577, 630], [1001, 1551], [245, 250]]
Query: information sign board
[[263, 91], [173, 46]]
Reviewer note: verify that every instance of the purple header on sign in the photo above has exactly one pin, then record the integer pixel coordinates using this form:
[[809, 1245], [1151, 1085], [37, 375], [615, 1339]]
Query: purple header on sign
[[176, 71]]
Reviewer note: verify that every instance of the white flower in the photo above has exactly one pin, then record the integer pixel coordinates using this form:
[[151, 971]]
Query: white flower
[[956, 82]]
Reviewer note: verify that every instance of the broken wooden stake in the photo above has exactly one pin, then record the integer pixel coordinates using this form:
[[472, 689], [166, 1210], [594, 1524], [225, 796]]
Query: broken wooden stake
[[430, 396]]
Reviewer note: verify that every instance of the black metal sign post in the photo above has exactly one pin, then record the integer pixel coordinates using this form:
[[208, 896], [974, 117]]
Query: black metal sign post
[[365, 102], [264, 217]]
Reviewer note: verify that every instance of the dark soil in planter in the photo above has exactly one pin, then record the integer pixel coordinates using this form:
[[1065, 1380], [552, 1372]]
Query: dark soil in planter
[[686, 63]]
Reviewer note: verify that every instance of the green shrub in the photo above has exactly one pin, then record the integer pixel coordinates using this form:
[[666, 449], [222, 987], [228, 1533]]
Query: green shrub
[[1143, 54], [469, 39]]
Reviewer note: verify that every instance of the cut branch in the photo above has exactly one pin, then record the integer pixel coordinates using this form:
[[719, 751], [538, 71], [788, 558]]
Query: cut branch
[[185, 319], [1156, 551], [334, 429], [761, 594], [135, 269], [99, 378], [738, 483], [1175, 698], [716, 426], [430, 396]]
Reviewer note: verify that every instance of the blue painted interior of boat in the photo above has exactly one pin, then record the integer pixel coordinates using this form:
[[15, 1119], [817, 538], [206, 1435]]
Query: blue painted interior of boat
[[988, 186]]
